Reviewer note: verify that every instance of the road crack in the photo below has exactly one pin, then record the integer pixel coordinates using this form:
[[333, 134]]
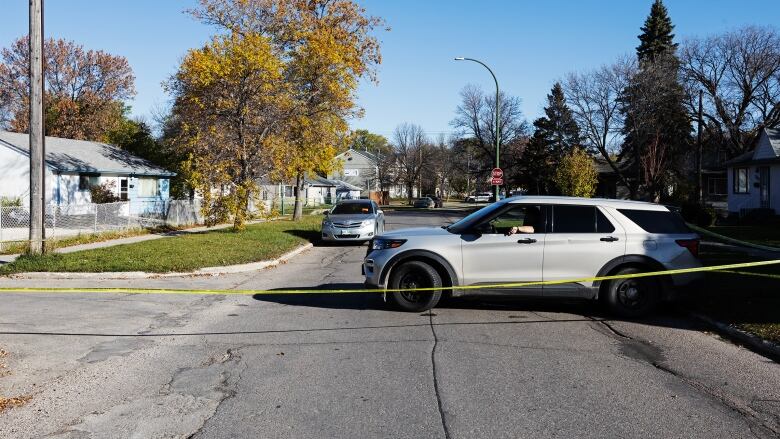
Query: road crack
[[436, 390]]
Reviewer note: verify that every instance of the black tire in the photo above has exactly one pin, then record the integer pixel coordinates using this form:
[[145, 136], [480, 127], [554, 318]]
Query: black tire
[[415, 274], [632, 297]]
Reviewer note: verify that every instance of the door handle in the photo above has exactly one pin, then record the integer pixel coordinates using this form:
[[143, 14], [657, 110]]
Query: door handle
[[526, 241], [609, 239]]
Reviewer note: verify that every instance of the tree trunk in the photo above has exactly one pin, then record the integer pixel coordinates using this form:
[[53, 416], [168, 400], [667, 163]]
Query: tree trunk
[[409, 188], [298, 212]]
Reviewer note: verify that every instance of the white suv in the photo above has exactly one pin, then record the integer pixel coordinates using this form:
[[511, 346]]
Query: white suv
[[532, 239]]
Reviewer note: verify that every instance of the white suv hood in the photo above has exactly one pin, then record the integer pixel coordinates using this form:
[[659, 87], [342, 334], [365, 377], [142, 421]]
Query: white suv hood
[[417, 231]]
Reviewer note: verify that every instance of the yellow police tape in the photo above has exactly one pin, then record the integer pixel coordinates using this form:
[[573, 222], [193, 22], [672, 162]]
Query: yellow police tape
[[387, 290]]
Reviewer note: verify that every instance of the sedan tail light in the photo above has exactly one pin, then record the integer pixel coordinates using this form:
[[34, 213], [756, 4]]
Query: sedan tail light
[[691, 244]]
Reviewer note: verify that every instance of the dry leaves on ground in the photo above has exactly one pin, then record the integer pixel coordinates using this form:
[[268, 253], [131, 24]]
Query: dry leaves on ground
[[17, 401]]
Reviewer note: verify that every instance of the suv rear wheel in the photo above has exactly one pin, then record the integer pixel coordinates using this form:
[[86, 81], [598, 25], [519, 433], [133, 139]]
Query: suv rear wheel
[[632, 297], [415, 274]]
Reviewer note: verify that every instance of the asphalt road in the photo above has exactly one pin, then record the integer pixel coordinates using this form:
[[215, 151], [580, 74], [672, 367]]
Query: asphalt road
[[347, 366]]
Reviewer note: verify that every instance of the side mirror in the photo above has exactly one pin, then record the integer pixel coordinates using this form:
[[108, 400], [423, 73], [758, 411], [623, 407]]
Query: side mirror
[[380, 212]]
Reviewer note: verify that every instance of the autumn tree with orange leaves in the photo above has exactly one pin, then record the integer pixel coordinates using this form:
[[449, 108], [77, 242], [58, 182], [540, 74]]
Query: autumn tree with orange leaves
[[324, 47], [85, 90]]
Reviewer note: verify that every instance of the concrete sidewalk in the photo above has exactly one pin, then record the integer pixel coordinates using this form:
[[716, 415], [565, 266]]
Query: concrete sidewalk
[[4, 259]]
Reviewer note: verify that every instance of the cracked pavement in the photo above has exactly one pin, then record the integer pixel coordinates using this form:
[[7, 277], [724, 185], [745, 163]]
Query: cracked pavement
[[347, 366]]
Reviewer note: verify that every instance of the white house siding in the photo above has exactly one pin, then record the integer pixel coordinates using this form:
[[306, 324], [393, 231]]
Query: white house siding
[[14, 174], [752, 199], [356, 169]]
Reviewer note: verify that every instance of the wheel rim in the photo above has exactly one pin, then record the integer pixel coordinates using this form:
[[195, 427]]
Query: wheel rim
[[631, 294], [412, 280]]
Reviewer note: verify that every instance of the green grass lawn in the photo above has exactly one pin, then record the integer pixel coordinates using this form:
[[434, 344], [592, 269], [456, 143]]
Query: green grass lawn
[[765, 234], [187, 252], [748, 302]]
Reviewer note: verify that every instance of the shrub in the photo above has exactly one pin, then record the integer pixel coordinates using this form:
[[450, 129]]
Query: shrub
[[575, 175], [103, 193], [10, 202], [702, 216]]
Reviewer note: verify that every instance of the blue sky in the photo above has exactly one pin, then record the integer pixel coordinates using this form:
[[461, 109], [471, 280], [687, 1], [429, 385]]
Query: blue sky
[[529, 44]]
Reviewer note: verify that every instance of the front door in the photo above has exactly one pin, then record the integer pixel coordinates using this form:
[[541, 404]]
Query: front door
[[491, 255], [763, 186]]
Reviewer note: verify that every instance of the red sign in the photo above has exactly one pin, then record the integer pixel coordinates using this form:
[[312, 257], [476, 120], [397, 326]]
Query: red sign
[[497, 181], [497, 173]]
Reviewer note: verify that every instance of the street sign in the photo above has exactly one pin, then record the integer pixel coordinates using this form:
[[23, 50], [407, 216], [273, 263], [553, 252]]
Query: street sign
[[497, 181], [497, 173]]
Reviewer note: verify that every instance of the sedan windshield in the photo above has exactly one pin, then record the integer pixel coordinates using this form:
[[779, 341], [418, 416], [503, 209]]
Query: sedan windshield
[[474, 218], [352, 209]]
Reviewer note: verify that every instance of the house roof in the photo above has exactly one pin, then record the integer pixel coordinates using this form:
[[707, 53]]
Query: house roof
[[371, 157], [343, 185], [68, 155], [774, 139], [750, 157], [316, 180], [603, 167]]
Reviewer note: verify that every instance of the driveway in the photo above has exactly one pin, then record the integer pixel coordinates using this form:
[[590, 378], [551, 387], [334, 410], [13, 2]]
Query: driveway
[[347, 366]]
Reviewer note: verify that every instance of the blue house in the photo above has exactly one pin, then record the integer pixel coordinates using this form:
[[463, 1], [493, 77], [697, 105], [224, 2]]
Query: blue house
[[73, 166], [754, 177]]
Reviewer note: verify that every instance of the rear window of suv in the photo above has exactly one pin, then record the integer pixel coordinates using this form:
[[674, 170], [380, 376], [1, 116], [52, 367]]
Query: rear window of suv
[[656, 221], [580, 219]]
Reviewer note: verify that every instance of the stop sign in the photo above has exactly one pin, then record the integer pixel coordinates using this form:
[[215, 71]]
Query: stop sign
[[497, 173]]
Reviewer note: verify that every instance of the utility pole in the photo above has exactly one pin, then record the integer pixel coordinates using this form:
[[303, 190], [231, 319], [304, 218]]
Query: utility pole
[[700, 189], [37, 173]]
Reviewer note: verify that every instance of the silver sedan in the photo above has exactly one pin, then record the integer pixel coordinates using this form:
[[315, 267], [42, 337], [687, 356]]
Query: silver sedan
[[353, 220]]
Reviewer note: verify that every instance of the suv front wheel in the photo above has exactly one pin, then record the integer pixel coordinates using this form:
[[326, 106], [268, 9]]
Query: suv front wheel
[[632, 297], [415, 274]]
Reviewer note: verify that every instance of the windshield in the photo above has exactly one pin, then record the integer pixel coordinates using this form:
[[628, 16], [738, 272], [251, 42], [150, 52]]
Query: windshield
[[352, 209], [474, 218]]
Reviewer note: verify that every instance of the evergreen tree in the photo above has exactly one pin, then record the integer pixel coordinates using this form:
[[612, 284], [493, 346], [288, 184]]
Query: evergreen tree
[[555, 135], [656, 37], [657, 128]]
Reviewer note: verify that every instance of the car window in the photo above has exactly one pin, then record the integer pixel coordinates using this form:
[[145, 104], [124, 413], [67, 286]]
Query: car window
[[656, 221], [574, 219], [603, 224], [351, 209], [517, 216], [476, 217]]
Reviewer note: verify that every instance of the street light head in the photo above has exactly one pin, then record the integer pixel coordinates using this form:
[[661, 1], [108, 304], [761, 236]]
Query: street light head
[[460, 58]]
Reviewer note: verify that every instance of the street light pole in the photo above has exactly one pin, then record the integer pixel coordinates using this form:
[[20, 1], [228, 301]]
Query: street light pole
[[498, 133]]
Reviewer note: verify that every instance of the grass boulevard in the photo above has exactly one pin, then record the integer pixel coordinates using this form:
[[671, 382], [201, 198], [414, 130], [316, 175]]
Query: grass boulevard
[[257, 242]]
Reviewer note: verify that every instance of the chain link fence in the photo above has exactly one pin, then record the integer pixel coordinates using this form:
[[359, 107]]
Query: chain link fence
[[79, 219], [83, 219]]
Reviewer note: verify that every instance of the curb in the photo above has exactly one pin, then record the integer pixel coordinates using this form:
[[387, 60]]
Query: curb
[[206, 271], [756, 344]]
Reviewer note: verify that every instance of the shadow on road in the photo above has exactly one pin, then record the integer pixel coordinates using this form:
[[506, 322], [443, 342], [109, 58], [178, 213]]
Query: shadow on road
[[327, 300]]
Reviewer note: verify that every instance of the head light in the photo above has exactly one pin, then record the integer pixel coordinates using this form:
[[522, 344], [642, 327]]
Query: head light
[[367, 222], [326, 223], [384, 244]]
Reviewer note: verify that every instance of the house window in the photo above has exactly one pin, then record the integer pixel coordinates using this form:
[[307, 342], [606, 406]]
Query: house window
[[740, 180], [716, 186], [148, 187], [86, 181]]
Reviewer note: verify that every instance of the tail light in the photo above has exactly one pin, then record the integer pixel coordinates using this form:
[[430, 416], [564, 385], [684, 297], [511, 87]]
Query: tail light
[[691, 244]]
